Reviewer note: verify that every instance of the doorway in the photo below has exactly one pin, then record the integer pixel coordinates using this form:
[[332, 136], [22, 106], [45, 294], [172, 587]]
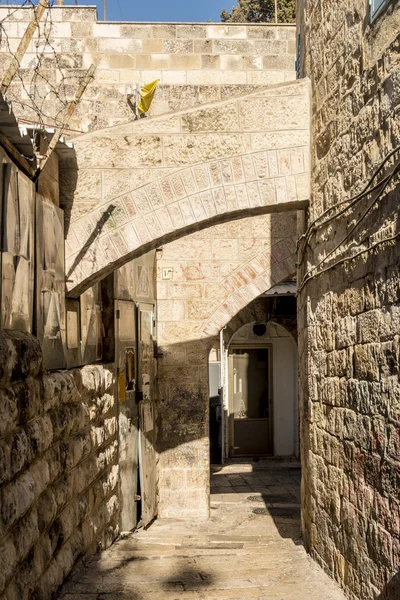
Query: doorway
[[251, 411]]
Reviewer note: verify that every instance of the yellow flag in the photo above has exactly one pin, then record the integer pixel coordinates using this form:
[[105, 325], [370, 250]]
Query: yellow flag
[[147, 95]]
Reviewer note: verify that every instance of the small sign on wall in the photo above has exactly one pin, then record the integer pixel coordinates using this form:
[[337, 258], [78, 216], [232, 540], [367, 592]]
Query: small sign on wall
[[167, 273]]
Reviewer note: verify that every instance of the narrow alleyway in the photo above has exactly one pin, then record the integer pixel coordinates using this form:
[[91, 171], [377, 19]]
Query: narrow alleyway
[[250, 548]]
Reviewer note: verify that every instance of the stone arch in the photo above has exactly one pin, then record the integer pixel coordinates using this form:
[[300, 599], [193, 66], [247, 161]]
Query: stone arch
[[188, 171], [184, 348], [245, 285], [260, 310]]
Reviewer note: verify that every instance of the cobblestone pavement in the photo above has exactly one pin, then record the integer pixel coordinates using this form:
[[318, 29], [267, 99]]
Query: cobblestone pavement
[[250, 548]]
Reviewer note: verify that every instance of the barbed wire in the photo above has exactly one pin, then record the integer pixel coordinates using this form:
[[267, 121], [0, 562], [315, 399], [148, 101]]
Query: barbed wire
[[39, 91]]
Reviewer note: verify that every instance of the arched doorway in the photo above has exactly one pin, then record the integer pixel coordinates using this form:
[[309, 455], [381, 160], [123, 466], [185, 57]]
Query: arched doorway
[[254, 410]]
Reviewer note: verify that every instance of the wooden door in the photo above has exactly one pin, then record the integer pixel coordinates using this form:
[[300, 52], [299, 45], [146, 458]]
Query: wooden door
[[126, 365], [251, 401]]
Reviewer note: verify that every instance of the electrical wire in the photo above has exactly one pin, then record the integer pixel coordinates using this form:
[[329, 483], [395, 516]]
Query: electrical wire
[[37, 84], [120, 11], [349, 258], [383, 184], [350, 202], [30, 122]]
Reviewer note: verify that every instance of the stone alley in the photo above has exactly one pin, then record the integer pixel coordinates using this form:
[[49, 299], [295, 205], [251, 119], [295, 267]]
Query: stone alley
[[200, 300], [250, 548]]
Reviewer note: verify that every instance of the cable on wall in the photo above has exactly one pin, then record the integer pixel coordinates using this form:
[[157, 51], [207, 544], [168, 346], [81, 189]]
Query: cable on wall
[[382, 187]]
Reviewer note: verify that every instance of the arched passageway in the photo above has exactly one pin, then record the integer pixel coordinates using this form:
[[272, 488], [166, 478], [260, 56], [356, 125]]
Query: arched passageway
[[214, 274], [146, 183]]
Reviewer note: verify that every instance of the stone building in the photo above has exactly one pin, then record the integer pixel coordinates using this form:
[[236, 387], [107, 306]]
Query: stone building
[[187, 236], [348, 295]]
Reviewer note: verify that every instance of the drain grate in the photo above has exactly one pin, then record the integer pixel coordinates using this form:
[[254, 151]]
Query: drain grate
[[278, 512], [273, 499]]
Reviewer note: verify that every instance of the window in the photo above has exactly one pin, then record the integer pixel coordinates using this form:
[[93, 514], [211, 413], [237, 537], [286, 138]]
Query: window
[[377, 6]]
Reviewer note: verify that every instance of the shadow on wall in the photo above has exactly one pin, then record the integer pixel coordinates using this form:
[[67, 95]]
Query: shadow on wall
[[272, 491], [183, 372], [68, 178], [392, 589]]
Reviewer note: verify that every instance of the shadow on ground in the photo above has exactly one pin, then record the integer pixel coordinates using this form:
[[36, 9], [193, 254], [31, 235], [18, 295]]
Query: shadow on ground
[[269, 488], [392, 589], [92, 581]]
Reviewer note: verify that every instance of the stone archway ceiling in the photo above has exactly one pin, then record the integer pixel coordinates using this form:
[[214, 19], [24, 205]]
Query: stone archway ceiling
[[252, 280], [179, 173]]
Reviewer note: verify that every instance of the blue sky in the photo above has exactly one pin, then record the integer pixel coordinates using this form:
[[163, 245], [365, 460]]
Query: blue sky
[[160, 10]]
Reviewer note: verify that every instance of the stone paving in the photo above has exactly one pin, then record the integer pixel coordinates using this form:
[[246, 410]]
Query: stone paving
[[249, 548]]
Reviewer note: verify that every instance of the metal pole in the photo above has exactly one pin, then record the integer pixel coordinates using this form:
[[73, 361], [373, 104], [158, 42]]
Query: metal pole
[[276, 11], [223, 391], [105, 10]]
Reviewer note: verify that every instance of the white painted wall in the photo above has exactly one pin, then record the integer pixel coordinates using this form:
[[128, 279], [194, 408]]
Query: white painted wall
[[285, 391]]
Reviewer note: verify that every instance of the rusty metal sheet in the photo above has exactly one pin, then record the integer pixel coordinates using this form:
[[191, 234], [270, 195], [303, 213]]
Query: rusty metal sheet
[[128, 417], [50, 283], [17, 250], [91, 325]]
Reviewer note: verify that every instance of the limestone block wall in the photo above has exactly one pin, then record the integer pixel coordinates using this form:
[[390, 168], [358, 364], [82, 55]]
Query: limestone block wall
[[203, 281], [349, 314], [196, 63], [58, 468]]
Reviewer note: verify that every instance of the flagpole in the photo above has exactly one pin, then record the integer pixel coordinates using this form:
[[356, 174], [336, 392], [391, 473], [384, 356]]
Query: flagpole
[[276, 10], [105, 10]]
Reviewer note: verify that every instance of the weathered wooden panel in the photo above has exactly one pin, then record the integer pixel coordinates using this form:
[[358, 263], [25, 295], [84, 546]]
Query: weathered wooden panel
[[18, 245], [125, 282], [50, 283], [146, 382], [91, 325], [125, 325]]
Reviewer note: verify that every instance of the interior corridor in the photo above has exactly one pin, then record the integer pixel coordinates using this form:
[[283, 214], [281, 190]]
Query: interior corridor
[[250, 548]]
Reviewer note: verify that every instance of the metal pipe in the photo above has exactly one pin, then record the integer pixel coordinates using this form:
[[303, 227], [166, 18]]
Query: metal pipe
[[105, 10], [222, 387], [276, 11]]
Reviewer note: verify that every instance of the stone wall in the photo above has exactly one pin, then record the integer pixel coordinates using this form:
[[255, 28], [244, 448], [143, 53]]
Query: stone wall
[[349, 313], [196, 63], [58, 468], [203, 280]]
